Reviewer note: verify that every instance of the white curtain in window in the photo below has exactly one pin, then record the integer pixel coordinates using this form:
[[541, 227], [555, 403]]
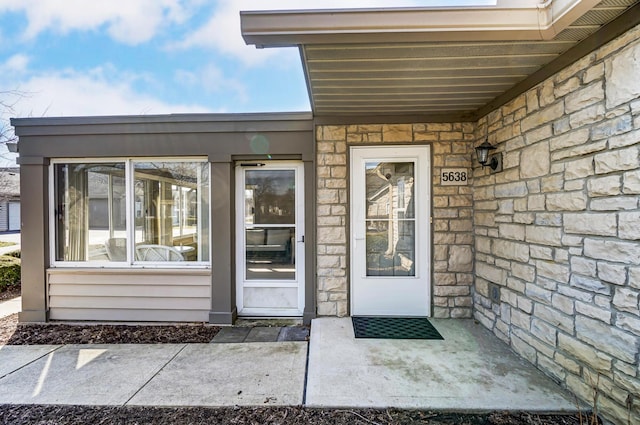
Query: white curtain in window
[[78, 213]]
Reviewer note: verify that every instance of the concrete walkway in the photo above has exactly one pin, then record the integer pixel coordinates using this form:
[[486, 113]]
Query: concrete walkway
[[9, 307], [470, 369], [256, 374], [12, 237]]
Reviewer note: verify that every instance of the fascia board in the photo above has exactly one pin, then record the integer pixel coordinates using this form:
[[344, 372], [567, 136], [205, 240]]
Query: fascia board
[[159, 124], [562, 13], [522, 21]]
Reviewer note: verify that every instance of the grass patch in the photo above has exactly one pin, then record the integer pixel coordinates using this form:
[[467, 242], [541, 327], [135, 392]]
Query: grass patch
[[5, 243]]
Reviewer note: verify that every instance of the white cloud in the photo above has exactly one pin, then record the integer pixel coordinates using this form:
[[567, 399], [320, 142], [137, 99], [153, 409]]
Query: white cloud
[[212, 79], [16, 63], [129, 22], [222, 31], [101, 91]]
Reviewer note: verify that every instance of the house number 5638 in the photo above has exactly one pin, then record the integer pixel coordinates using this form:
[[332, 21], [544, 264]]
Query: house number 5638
[[454, 177]]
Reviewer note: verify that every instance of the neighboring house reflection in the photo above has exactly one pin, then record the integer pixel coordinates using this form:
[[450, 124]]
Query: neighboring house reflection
[[390, 219]]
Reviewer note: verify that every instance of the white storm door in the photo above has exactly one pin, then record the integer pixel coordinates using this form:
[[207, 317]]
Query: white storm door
[[390, 231], [270, 239]]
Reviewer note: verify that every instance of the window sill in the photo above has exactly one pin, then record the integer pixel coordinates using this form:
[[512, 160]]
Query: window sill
[[84, 269]]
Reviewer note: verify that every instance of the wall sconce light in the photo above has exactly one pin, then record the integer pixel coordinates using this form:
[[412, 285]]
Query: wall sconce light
[[12, 147], [493, 161]]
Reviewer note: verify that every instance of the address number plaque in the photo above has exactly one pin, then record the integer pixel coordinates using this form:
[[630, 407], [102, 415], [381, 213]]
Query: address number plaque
[[454, 177]]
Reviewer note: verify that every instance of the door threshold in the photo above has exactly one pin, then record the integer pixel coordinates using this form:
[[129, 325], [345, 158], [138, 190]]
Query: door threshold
[[249, 321]]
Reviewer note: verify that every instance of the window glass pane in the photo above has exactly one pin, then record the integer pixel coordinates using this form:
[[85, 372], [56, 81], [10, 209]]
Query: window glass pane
[[171, 204], [390, 189], [270, 254], [390, 219], [390, 248], [90, 212], [270, 197]]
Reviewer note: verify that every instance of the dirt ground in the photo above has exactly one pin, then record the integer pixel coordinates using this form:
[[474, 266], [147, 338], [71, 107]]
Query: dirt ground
[[13, 334]]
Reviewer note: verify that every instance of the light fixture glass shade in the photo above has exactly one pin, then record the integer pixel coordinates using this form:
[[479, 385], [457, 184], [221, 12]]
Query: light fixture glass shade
[[483, 152]]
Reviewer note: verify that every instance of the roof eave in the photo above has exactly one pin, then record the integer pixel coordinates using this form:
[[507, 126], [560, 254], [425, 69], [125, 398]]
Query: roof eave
[[529, 20]]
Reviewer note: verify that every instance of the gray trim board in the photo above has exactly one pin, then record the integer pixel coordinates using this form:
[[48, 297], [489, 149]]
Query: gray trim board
[[223, 318], [162, 124], [310, 241], [223, 299], [163, 118], [35, 241], [392, 119], [32, 160]]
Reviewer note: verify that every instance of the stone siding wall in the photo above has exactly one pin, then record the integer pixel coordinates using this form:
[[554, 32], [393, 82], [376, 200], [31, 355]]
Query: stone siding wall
[[558, 231], [452, 277]]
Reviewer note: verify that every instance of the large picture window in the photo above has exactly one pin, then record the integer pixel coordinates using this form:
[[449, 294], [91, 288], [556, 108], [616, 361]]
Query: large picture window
[[131, 212]]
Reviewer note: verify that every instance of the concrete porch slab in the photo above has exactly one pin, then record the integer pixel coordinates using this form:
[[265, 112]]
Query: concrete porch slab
[[14, 357], [469, 370], [85, 374], [256, 374]]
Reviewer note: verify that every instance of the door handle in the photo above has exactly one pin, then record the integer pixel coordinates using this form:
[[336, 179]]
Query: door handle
[[357, 238]]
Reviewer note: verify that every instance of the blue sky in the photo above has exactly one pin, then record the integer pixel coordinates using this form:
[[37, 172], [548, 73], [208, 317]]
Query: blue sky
[[117, 57]]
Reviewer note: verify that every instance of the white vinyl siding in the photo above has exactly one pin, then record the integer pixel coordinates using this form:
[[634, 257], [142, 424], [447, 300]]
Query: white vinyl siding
[[129, 295]]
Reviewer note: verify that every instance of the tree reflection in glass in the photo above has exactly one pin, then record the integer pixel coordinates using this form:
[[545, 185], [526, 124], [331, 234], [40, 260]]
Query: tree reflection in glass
[[390, 219]]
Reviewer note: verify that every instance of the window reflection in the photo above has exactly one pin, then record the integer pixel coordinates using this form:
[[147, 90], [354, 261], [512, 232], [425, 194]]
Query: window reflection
[[90, 210], [269, 199], [390, 219], [169, 209], [171, 204]]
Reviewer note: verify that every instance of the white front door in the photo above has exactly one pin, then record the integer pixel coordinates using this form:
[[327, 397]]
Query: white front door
[[390, 231], [270, 239]]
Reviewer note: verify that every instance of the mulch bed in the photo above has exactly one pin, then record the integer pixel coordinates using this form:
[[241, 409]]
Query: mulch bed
[[30, 334], [66, 415]]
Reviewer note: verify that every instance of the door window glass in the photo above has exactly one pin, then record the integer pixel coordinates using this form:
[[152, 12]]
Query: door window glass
[[269, 218], [390, 218]]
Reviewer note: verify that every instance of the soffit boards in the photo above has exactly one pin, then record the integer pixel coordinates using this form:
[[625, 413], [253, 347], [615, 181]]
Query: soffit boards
[[453, 79]]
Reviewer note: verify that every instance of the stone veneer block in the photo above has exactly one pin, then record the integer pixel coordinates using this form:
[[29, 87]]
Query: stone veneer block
[[621, 88], [536, 162]]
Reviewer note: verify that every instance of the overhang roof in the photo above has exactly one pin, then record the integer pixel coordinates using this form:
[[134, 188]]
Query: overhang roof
[[449, 63]]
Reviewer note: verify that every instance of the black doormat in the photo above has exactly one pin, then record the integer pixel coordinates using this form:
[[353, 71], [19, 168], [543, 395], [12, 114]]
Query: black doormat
[[394, 328]]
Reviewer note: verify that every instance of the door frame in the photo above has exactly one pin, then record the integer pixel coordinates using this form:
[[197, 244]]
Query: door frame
[[421, 154], [298, 250]]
